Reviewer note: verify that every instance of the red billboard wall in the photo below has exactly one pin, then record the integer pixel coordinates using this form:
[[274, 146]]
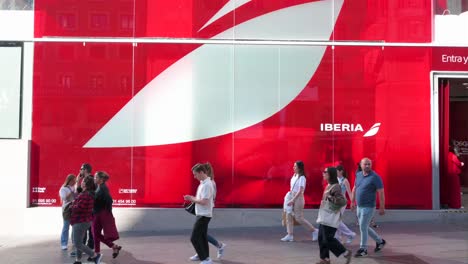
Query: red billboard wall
[[146, 113]]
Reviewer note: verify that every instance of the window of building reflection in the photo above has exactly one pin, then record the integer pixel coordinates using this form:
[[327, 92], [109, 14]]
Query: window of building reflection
[[450, 7], [16, 4]]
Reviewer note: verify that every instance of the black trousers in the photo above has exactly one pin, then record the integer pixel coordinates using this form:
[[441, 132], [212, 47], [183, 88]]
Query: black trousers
[[328, 242], [199, 237]]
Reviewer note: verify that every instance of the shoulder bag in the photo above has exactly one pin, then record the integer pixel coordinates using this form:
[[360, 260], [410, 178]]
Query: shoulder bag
[[190, 208], [329, 214]]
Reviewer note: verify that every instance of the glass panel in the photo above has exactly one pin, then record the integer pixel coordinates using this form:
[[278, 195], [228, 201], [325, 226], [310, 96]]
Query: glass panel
[[384, 20], [183, 19], [183, 116], [16, 4], [451, 21], [387, 94], [450, 7], [282, 94], [10, 92], [77, 18], [77, 89], [284, 20]]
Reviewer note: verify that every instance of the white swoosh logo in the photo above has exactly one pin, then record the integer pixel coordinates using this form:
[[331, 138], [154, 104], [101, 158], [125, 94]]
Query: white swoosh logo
[[373, 131], [228, 7], [220, 89]]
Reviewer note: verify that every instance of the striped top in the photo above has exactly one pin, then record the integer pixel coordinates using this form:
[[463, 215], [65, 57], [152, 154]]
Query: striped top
[[82, 208]]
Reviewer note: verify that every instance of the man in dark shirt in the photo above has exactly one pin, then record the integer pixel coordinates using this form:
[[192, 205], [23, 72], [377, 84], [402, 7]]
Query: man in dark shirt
[[366, 186]]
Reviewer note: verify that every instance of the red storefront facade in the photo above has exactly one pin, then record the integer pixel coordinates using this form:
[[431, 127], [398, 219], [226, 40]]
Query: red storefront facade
[[148, 92]]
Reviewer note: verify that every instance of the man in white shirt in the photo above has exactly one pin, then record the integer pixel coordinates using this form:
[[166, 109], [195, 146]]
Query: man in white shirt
[[203, 210]]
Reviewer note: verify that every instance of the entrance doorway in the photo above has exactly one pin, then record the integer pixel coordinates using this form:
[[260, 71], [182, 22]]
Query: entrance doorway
[[452, 99]]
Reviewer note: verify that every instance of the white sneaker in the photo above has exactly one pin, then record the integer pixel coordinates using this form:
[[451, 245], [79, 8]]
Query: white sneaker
[[221, 251], [288, 238], [207, 261], [64, 247], [194, 258], [350, 239], [315, 235]]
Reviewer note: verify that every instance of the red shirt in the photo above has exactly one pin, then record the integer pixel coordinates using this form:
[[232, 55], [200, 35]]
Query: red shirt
[[454, 164], [82, 208]]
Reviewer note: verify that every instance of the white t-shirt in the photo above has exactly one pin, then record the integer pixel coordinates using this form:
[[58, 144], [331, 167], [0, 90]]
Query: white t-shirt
[[64, 191], [205, 191], [301, 182]]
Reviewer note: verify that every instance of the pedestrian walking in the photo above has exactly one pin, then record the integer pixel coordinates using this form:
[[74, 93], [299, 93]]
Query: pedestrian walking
[[366, 186], [104, 228], [343, 229], [330, 218], [67, 195], [81, 217], [294, 202], [220, 246], [203, 210]]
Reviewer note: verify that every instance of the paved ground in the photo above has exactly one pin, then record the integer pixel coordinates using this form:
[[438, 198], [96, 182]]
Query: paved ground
[[418, 243]]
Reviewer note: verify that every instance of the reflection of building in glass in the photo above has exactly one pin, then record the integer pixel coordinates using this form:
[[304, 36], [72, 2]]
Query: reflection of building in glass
[[16, 4], [453, 7]]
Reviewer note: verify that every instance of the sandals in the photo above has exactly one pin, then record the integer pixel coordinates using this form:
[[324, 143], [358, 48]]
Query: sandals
[[116, 251]]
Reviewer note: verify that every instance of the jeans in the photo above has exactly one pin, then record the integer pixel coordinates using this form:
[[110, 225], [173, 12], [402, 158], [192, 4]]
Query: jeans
[[65, 233], [328, 242], [365, 215], [343, 229], [199, 237], [79, 231], [213, 241]]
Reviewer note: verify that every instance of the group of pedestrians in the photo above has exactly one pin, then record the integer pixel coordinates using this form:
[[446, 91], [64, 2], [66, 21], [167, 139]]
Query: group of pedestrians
[[91, 206], [87, 207], [331, 227]]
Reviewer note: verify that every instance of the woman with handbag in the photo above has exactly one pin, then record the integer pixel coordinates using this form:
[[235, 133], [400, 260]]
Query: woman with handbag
[[67, 195], [330, 218], [212, 240], [294, 204], [203, 210]]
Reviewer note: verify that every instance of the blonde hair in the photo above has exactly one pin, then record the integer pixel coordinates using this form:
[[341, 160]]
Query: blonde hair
[[69, 178]]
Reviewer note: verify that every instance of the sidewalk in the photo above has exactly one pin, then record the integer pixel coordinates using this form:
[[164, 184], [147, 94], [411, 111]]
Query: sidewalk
[[408, 242]]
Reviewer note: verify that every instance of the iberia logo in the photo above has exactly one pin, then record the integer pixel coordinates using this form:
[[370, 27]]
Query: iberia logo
[[328, 127]]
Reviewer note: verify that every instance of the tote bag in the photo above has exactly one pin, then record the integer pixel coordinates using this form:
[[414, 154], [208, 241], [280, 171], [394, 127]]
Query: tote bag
[[328, 215]]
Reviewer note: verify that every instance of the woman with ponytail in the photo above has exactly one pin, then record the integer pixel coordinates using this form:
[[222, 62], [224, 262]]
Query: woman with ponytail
[[213, 241]]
